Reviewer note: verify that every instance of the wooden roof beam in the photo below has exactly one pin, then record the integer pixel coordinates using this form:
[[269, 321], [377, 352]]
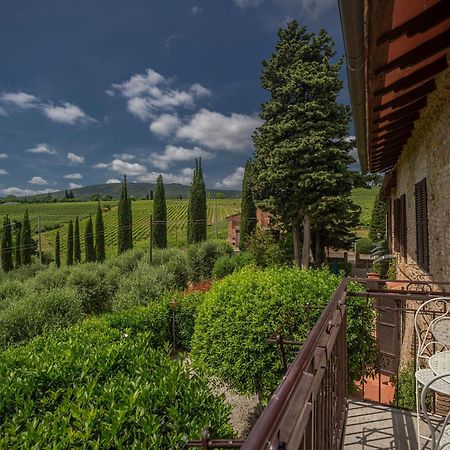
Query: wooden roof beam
[[427, 19], [405, 122], [403, 112], [394, 134]]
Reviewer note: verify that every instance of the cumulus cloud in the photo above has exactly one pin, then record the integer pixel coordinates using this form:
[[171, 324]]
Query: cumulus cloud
[[102, 166], [234, 180], [68, 113], [3, 156], [195, 10], [165, 125], [173, 154], [3, 172], [42, 149], [184, 176], [3, 111], [127, 168], [219, 132], [73, 176], [150, 93], [74, 186], [124, 156], [20, 99], [18, 192], [112, 181], [74, 158], [38, 180]]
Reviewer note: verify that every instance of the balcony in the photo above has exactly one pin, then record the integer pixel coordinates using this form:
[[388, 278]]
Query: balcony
[[312, 407]]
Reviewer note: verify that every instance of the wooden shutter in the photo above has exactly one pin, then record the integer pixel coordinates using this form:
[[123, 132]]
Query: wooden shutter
[[389, 224], [396, 225], [422, 245], [403, 227]]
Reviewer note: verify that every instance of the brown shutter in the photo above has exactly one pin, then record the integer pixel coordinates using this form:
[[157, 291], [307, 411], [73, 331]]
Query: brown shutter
[[422, 245], [396, 225], [403, 227]]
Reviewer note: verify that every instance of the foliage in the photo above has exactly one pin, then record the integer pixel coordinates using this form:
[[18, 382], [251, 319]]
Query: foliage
[[377, 230], [202, 257], [70, 249], [301, 149], [38, 312], [176, 262], [248, 208], [160, 215], [364, 245], [26, 240], [76, 242], [99, 235], [196, 230], [405, 394], [224, 265], [392, 270], [365, 199], [267, 251], [10, 292], [89, 245], [47, 280], [102, 384], [124, 220], [7, 246], [57, 250], [17, 248]]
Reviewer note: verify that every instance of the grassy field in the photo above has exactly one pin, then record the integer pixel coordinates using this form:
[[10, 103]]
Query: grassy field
[[365, 198]]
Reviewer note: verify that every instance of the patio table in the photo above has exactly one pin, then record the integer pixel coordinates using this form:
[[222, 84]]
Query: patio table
[[440, 364]]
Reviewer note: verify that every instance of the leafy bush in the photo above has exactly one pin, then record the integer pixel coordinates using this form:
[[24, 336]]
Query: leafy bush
[[364, 245], [127, 262], [177, 264], [50, 279], [266, 251], [405, 394], [202, 257], [10, 292], [225, 265], [99, 386], [96, 286], [37, 313], [143, 286]]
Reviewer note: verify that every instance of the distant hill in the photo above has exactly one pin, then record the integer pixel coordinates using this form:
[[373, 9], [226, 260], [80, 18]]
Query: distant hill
[[138, 190]]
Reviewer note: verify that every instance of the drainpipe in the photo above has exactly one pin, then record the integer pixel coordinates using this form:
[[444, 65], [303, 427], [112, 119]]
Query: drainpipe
[[352, 22]]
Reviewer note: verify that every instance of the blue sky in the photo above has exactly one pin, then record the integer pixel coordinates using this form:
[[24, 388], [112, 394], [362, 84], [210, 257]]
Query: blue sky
[[92, 89]]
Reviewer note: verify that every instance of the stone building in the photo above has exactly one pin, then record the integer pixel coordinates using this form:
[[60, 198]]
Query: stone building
[[234, 222]]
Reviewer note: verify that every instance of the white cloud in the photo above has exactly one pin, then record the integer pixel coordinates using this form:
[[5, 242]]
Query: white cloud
[[3, 111], [165, 125], [219, 132], [73, 176], [124, 156], [200, 91], [74, 158], [247, 3], [74, 186], [38, 180], [174, 154], [19, 99], [68, 113], [112, 181], [42, 149], [3, 172], [195, 10], [3, 156], [102, 166], [184, 176], [139, 84], [18, 192], [234, 180], [127, 168]]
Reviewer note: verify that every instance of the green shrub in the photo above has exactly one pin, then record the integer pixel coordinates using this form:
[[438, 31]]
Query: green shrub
[[405, 394], [128, 261], [37, 313], [11, 291], [202, 257], [96, 386], [177, 264], [50, 279], [96, 285], [364, 245], [225, 265], [143, 286], [267, 251]]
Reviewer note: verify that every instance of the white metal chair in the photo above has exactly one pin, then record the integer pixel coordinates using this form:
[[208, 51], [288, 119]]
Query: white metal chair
[[436, 334], [440, 440]]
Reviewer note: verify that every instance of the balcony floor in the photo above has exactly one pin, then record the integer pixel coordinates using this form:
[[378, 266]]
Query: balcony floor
[[374, 426]]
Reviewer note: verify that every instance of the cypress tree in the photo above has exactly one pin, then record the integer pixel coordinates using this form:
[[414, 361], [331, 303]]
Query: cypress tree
[[89, 247], [151, 195], [124, 222], [160, 215], [248, 209], [197, 206], [70, 244], [18, 245], [377, 230], [77, 242], [57, 250], [7, 246], [26, 240], [99, 235]]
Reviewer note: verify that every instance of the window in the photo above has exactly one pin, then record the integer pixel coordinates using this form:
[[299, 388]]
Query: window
[[400, 228], [422, 247]]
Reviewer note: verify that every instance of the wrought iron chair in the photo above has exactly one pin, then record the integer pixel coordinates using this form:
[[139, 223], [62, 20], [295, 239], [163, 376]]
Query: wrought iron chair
[[435, 337], [440, 440]]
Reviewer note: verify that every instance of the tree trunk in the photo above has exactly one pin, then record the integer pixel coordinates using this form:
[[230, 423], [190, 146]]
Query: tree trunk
[[306, 241], [319, 256], [296, 236]]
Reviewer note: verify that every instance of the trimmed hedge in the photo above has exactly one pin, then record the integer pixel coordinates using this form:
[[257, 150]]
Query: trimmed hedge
[[364, 245], [202, 257]]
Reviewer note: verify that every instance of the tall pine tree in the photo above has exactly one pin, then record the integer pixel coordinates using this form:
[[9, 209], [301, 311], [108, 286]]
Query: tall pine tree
[[160, 215], [99, 235], [57, 250], [77, 242], [197, 206], [26, 240], [69, 256], [377, 229], [7, 246], [125, 220], [248, 208], [301, 150], [18, 245], [89, 246]]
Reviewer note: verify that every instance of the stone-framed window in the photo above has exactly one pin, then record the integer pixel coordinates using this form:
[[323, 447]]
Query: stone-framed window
[[422, 244]]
